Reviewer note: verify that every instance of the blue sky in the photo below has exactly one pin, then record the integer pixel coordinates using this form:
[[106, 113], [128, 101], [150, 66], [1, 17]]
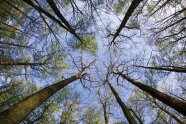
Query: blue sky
[[139, 46]]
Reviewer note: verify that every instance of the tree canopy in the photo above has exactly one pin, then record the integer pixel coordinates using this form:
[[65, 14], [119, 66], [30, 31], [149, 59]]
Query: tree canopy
[[92, 61]]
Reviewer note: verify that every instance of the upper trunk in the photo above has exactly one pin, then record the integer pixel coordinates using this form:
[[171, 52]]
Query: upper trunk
[[171, 68], [170, 114], [176, 104], [129, 12], [11, 63], [62, 18]]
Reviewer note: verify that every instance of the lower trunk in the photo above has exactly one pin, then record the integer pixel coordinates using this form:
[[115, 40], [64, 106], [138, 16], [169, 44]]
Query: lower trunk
[[176, 104], [20, 110], [124, 108]]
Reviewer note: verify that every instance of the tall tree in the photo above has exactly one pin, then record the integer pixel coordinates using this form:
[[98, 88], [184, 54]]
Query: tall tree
[[39, 39], [129, 12], [171, 68], [176, 104], [20, 110], [124, 108]]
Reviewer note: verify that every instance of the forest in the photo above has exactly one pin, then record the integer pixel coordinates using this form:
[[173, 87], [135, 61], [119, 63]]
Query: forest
[[92, 61]]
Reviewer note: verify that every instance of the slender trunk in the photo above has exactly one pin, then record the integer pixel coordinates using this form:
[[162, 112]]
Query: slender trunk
[[129, 12], [62, 18], [105, 112], [159, 8], [46, 107], [11, 63], [12, 44], [139, 119], [29, 2], [176, 104], [170, 114], [171, 68], [124, 108], [65, 24], [20, 110]]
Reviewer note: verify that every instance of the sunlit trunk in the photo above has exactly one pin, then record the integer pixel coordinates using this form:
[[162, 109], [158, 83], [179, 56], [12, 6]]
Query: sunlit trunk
[[19, 111]]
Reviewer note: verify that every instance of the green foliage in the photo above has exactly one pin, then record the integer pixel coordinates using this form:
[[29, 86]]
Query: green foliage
[[149, 8], [16, 90], [66, 2], [120, 6], [62, 95], [89, 44], [22, 24], [11, 93], [134, 24], [92, 116], [120, 122]]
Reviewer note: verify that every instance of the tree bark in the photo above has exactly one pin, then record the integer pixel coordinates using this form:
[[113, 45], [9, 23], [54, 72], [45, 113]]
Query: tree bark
[[11, 63], [105, 112], [139, 119], [62, 18], [176, 104], [171, 68], [12, 44], [129, 12], [52, 4], [124, 108], [20, 110], [29, 2], [170, 114]]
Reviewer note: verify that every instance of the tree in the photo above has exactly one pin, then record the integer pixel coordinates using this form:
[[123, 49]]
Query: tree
[[20, 110], [144, 102], [124, 108], [69, 111], [129, 12], [172, 69], [140, 43], [92, 116], [176, 104]]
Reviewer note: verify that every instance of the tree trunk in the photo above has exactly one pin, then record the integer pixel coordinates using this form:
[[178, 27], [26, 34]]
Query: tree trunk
[[170, 114], [20, 110], [11, 63], [171, 68], [176, 104], [105, 112], [12, 44], [38, 8], [67, 26], [62, 18], [139, 119], [124, 108], [129, 12]]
